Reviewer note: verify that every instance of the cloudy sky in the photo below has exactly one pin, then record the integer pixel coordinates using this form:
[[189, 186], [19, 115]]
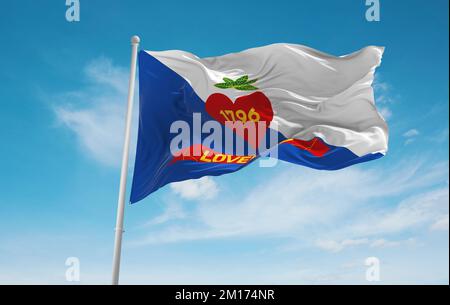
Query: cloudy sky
[[63, 91]]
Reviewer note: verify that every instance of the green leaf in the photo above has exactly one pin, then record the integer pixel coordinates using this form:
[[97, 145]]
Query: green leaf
[[242, 83], [228, 80], [224, 85], [245, 87], [251, 81], [241, 80]]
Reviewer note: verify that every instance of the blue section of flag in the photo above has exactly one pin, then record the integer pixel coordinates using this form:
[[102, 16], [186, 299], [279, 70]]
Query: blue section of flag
[[336, 158], [165, 97]]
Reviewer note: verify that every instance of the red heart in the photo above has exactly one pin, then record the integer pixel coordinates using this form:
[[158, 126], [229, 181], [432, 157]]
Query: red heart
[[245, 109]]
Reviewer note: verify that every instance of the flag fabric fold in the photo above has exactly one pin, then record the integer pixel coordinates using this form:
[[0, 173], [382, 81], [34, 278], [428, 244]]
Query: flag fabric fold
[[321, 108]]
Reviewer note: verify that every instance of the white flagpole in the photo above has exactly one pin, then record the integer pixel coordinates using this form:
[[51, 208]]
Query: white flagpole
[[123, 174]]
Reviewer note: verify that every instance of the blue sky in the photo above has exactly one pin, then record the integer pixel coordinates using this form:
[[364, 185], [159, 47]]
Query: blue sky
[[63, 88]]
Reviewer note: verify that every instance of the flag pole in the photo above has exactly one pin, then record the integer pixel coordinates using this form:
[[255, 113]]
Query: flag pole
[[135, 40]]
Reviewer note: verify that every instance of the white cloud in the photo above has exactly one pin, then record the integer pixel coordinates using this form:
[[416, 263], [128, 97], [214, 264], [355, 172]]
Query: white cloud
[[385, 112], [337, 246], [441, 224], [411, 133], [332, 210], [383, 96], [203, 188], [411, 212], [173, 211], [411, 136], [103, 72], [383, 243], [383, 90], [96, 113], [409, 141]]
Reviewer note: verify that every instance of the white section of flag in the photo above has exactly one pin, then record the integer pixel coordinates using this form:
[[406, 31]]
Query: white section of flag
[[312, 94]]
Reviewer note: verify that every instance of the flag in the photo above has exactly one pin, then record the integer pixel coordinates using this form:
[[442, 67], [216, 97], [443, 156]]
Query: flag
[[308, 108]]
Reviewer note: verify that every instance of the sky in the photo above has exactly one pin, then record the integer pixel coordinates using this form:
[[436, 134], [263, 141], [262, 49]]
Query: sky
[[63, 89]]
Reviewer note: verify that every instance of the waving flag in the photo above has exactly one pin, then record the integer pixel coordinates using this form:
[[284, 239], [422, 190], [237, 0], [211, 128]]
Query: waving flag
[[320, 108]]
